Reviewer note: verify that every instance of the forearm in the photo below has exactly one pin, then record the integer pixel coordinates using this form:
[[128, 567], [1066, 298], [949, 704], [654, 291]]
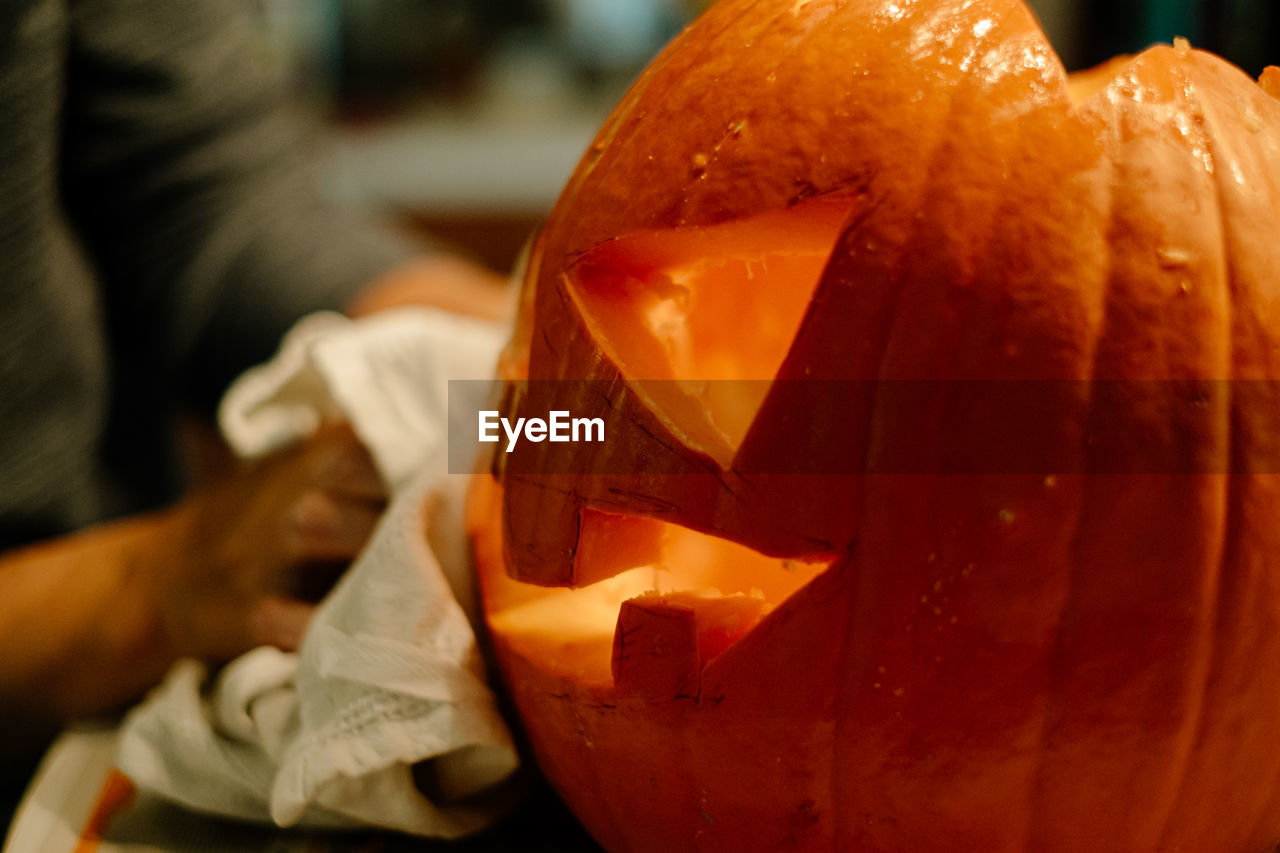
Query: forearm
[[444, 281], [79, 625]]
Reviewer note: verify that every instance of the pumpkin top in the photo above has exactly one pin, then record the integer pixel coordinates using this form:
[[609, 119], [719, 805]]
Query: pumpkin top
[[994, 220]]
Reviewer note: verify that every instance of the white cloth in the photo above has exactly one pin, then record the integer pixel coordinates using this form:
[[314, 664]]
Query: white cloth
[[389, 673]]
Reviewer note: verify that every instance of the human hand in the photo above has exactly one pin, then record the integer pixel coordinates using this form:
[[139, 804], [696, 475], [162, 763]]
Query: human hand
[[238, 564]]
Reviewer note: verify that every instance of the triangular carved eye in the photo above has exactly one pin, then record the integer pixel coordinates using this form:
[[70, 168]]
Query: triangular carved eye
[[715, 309], [672, 339]]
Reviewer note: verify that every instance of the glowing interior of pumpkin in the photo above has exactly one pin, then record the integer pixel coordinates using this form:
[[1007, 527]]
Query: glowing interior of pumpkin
[[714, 309], [704, 305], [571, 631]]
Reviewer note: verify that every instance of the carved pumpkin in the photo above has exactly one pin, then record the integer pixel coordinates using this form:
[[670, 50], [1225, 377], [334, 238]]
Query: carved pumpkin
[[786, 606]]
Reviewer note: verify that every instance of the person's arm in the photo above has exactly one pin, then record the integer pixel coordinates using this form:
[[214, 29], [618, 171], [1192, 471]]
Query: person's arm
[[189, 179], [91, 620], [441, 281], [80, 627]]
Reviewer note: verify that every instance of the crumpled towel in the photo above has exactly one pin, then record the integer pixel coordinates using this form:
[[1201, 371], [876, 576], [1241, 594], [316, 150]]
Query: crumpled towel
[[389, 673]]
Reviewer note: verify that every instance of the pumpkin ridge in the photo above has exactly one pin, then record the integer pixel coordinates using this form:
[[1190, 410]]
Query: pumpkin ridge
[[1037, 833], [913, 238], [1235, 518], [1260, 825], [1042, 830], [1035, 837], [1211, 627], [1157, 121], [1235, 489]]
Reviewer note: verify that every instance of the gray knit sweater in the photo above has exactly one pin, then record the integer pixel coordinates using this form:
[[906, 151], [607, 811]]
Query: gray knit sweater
[[159, 230]]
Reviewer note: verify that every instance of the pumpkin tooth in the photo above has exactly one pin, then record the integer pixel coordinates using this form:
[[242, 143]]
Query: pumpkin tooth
[[663, 640]]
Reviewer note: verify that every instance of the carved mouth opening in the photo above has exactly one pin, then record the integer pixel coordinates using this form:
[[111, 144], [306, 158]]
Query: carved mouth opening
[[650, 628]]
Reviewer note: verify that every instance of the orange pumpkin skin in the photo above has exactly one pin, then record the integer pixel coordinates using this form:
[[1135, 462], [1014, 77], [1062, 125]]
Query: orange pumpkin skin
[[1069, 660]]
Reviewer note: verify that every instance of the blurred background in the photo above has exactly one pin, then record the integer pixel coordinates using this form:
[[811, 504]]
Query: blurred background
[[464, 117]]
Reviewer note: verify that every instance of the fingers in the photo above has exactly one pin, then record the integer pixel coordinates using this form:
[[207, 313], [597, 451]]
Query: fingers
[[330, 522], [324, 526], [281, 622], [312, 581], [441, 281], [256, 546], [343, 466]]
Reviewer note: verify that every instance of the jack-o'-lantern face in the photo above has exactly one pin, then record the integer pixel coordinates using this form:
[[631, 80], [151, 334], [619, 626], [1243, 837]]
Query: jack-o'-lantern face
[[906, 531]]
